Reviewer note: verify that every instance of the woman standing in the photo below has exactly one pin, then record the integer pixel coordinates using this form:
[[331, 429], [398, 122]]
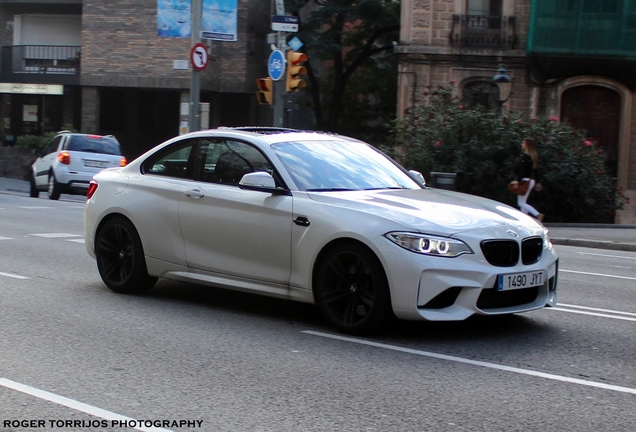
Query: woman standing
[[527, 169]]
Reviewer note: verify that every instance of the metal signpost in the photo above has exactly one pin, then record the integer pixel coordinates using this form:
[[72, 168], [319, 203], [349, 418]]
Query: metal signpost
[[195, 81]]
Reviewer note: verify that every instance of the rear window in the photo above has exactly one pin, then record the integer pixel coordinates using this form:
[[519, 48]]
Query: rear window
[[93, 144]]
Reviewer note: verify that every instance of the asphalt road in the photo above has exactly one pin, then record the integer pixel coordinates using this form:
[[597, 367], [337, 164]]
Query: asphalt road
[[72, 351]]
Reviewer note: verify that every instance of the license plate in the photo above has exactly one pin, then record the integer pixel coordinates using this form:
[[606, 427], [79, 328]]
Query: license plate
[[95, 164], [520, 280]]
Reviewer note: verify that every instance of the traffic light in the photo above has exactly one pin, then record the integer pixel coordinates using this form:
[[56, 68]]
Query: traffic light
[[264, 93], [295, 68]]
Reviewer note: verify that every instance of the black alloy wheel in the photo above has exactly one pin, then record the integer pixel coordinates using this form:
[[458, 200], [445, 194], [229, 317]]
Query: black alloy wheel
[[120, 258], [352, 290]]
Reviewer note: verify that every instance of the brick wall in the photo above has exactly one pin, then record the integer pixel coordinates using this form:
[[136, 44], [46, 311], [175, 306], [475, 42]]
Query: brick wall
[[120, 48]]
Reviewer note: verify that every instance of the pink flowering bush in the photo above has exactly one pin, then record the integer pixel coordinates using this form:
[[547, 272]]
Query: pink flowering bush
[[483, 148]]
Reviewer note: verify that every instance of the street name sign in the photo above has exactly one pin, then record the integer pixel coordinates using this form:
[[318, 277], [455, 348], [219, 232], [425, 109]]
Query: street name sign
[[285, 23]]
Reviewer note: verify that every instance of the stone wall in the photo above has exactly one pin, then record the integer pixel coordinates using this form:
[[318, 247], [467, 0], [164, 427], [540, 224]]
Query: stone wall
[[15, 162]]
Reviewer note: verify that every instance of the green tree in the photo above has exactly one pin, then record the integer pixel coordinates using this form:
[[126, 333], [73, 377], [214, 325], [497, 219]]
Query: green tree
[[482, 148], [352, 41]]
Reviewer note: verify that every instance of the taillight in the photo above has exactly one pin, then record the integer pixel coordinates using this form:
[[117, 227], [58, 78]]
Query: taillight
[[92, 187], [64, 157], [123, 162]]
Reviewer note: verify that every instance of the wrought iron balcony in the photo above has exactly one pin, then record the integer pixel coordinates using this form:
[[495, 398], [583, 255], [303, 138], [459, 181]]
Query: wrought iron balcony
[[40, 59], [482, 31]]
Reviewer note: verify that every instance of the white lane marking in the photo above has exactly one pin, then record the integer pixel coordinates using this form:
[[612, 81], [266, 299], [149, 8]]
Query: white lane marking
[[475, 362], [36, 207], [597, 274], [597, 309], [75, 240], [592, 314], [14, 276], [6, 238], [56, 235], [73, 404], [605, 255]]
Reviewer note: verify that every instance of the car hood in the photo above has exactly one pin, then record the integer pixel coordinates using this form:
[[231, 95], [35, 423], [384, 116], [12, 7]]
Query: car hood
[[436, 211]]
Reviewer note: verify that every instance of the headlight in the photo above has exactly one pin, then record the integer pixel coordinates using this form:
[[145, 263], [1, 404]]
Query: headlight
[[430, 245], [547, 243]]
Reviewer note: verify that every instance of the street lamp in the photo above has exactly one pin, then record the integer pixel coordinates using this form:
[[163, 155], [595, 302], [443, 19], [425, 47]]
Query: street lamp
[[504, 82]]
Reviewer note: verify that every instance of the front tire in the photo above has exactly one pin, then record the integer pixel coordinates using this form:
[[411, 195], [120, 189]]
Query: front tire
[[352, 290], [54, 188], [120, 258]]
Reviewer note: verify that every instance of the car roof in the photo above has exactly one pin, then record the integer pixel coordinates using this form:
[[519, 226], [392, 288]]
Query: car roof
[[273, 135]]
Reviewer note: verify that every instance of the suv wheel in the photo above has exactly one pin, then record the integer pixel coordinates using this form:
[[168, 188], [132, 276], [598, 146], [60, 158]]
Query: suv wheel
[[54, 188]]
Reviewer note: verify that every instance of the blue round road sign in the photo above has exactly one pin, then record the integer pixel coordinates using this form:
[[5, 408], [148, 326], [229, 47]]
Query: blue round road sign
[[276, 65]]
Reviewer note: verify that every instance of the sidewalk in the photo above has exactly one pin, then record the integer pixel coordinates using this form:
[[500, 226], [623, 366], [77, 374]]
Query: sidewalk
[[601, 236]]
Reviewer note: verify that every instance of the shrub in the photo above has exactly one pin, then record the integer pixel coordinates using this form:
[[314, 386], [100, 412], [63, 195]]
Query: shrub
[[482, 148], [36, 142], [31, 142]]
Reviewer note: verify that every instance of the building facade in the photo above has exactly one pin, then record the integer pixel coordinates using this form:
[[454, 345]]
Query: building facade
[[100, 66], [571, 59]]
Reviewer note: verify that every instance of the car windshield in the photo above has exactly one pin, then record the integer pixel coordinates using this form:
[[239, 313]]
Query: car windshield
[[94, 144], [340, 165]]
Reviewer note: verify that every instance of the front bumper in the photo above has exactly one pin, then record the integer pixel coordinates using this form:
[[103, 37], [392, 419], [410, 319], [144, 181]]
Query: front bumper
[[453, 289]]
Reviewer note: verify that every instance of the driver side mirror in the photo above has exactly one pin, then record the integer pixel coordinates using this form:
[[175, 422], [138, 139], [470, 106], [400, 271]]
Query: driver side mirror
[[260, 181], [417, 176]]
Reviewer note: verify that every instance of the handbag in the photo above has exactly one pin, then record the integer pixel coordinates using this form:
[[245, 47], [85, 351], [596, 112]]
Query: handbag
[[519, 187]]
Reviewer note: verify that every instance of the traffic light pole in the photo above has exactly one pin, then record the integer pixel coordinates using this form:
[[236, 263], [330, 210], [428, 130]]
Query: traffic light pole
[[279, 86], [280, 93]]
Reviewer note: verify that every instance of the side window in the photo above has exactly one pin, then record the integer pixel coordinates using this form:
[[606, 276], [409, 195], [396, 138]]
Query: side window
[[481, 93], [52, 146], [173, 161], [226, 162]]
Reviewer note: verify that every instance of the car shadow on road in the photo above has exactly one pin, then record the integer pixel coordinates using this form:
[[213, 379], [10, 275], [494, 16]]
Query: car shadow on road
[[226, 300], [491, 329]]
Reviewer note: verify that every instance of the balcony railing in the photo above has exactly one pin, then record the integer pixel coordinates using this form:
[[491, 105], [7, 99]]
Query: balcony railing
[[48, 59], [482, 31]]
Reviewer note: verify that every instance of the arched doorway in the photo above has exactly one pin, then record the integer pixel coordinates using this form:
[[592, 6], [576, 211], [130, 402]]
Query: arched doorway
[[596, 110]]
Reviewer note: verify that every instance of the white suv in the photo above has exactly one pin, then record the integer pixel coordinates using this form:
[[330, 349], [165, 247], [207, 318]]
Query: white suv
[[69, 162]]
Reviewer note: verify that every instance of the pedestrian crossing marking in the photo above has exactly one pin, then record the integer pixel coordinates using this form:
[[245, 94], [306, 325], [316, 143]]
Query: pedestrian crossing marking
[[56, 235], [13, 276]]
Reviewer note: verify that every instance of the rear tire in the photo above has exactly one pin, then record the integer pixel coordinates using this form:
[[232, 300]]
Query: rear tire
[[120, 258], [352, 290], [33, 189], [54, 188]]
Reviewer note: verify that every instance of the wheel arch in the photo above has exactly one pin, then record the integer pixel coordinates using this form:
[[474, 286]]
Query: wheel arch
[[108, 218]]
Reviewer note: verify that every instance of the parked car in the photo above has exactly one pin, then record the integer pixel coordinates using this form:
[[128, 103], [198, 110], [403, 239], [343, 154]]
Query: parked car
[[70, 160], [317, 218]]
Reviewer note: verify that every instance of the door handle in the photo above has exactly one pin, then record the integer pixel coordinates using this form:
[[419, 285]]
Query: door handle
[[194, 193], [302, 221]]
